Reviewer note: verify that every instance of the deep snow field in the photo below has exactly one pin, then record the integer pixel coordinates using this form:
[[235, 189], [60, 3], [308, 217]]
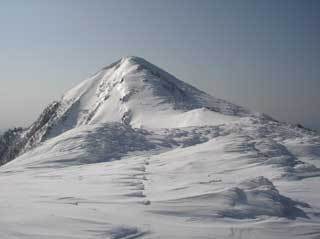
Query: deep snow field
[[134, 153]]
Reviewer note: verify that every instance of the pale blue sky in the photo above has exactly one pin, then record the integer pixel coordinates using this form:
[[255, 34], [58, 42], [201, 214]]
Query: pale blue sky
[[260, 54]]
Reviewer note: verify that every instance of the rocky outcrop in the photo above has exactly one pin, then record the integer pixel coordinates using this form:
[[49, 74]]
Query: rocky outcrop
[[16, 141]]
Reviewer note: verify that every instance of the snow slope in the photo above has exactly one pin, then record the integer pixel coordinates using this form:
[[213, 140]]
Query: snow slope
[[135, 92], [135, 153], [131, 91]]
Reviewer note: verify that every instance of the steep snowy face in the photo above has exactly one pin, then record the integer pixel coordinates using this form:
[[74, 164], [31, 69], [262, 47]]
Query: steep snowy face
[[131, 91], [134, 92]]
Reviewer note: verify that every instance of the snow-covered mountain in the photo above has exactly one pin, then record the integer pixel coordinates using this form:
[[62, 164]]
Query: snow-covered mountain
[[133, 152], [131, 91]]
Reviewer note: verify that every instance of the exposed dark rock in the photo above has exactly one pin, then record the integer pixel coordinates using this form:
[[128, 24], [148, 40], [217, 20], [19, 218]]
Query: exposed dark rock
[[16, 141]]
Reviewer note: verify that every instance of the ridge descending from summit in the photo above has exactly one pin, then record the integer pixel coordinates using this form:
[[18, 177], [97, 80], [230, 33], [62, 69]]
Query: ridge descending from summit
[[131, 91]]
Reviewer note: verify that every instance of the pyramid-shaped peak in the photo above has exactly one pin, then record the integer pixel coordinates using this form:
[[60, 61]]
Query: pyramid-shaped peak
[[133, 77], [132, 58], [129, 61], [134, 92]]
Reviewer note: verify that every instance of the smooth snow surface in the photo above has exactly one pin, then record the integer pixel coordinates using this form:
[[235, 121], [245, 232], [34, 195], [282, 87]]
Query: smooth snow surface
[[135, 153]]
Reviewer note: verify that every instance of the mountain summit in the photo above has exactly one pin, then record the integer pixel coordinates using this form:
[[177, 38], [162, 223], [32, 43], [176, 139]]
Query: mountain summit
[[131, 91], [135, 92], [133, 152]]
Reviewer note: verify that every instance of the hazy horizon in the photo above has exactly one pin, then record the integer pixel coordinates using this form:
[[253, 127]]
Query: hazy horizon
[[261, 55]]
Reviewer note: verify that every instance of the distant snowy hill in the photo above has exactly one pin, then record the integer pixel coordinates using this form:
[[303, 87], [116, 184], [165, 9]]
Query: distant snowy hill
[[133, 152]]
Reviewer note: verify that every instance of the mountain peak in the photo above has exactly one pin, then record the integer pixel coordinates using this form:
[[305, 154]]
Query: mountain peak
[[134, 92], [134, 152], [128, 60], [132, 58]]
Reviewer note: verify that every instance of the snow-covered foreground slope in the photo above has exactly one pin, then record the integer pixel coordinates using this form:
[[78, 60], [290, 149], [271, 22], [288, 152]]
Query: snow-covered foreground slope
[[190, 167]]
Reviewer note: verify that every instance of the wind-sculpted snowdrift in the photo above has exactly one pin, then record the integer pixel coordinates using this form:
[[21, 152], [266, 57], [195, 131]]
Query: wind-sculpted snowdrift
[[132, 152]]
